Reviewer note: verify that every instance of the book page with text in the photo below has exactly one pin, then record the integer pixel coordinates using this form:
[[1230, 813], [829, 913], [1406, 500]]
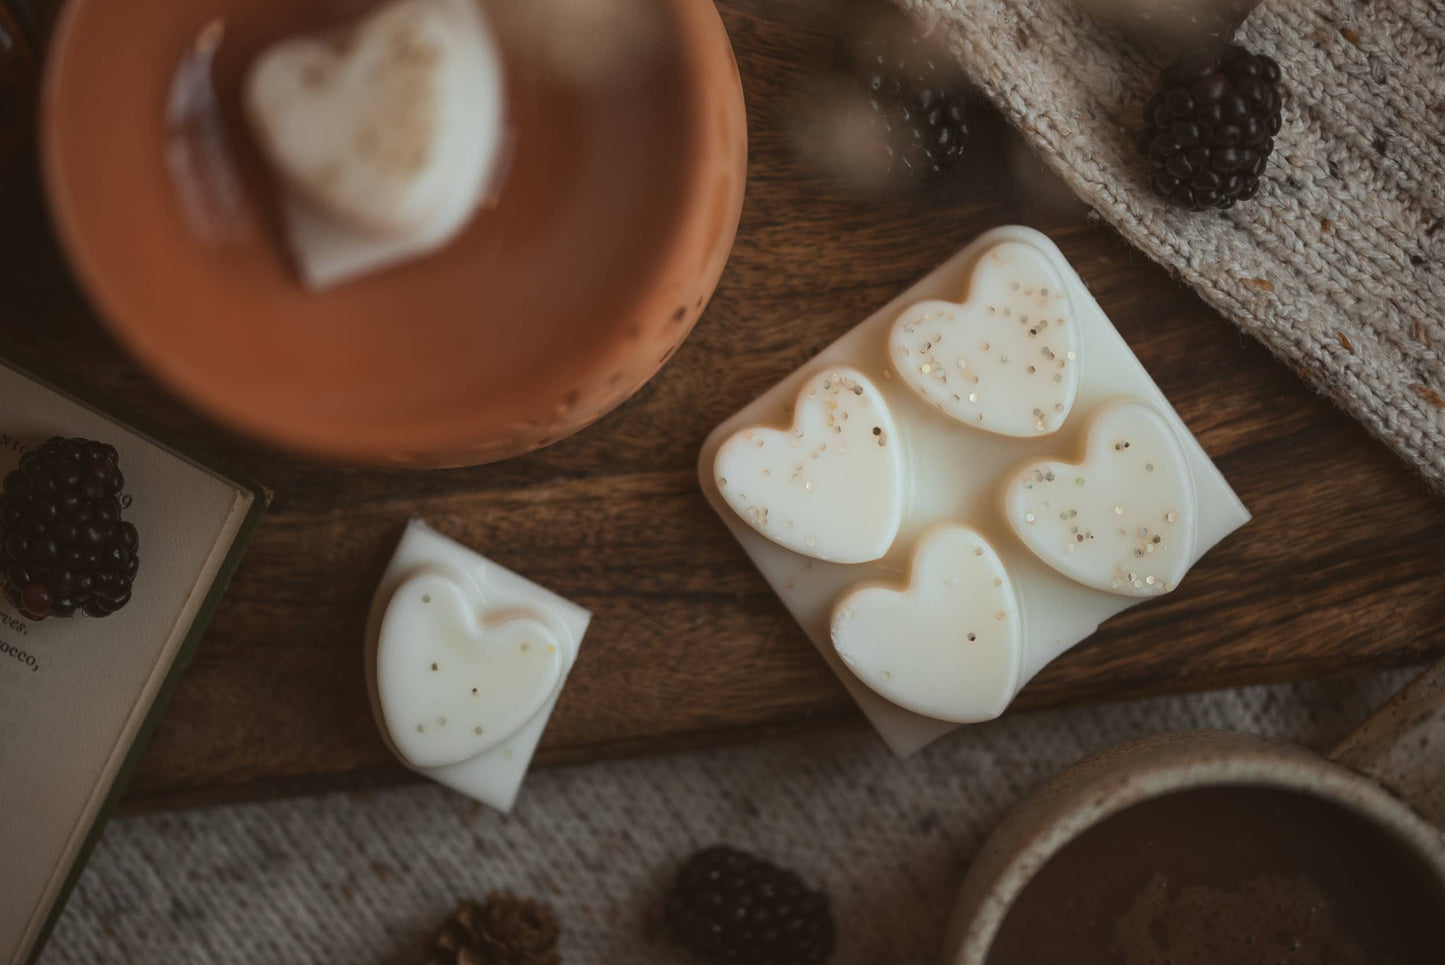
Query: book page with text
[[74, 692]]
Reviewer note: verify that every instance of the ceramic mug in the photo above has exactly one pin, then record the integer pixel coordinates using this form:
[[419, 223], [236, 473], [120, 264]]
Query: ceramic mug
[[1094, 862]]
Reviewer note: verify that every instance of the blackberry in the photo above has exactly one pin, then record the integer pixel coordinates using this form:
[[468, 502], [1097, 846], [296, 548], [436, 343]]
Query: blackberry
[[915, 97], [728, 906], [63, 546], [1210, 129]]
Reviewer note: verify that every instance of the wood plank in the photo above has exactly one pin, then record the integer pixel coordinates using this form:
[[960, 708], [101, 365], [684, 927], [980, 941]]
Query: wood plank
[[1340, 569]]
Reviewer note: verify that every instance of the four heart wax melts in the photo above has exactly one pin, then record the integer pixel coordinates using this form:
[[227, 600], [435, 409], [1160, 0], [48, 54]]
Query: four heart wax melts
[[466, 660], [940, 572], [384, 135]]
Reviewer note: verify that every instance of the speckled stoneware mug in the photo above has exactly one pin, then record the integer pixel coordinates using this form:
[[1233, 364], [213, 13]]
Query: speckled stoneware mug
[[1371, 814]]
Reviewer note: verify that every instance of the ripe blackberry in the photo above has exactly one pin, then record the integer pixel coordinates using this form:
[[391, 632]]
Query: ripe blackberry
[[1210, 129], [728, 906], [915, 95], [63, 545]]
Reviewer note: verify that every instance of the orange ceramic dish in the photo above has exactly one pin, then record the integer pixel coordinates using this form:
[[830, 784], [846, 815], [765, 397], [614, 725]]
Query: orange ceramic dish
[[552, 307]]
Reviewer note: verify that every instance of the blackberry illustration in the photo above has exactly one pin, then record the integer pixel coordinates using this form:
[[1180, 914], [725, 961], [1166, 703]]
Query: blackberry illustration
[[63, 545], [1209, 130], [728, 906], [915, 96]]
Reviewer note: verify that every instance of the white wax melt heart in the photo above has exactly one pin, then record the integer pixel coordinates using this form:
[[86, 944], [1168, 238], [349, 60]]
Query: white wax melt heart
[[387, 131], [831, 486], [1122, 520], [1006, 360], [949, 645], [451, 687]]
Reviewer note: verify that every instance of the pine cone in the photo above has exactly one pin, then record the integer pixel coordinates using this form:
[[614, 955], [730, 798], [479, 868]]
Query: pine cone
[[503, 930]]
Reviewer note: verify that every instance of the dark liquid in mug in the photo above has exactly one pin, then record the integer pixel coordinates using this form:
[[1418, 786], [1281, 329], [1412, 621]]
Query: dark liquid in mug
[[1229, 876]]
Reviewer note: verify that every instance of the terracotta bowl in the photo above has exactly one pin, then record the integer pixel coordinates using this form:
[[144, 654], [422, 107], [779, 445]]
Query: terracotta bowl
[[616, 215]]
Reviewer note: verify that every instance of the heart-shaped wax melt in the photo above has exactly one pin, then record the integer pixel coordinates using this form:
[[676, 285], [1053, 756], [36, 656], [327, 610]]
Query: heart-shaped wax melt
[[390, 128], [948, 645], [1005, 360], [830, 487], [1122, 520], [450, 686]]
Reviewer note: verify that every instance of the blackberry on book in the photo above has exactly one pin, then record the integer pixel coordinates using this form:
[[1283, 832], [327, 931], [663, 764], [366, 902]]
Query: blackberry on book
[[64, 548]]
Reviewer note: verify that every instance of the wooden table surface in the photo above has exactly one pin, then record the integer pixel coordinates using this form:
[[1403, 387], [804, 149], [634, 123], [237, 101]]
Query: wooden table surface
[[1339, 570]]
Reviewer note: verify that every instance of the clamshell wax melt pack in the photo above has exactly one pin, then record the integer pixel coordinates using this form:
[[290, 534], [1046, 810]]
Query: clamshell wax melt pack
[[965, 486]]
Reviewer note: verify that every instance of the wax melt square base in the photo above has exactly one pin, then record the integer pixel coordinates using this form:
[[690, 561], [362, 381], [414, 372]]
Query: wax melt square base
[[965, 486], [465, 661]]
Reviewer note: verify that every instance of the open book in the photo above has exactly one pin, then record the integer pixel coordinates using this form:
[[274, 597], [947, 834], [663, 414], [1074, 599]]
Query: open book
[[79, 696]]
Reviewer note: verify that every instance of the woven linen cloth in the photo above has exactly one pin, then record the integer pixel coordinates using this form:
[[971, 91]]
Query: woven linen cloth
[[361, 879], [1338, 264]]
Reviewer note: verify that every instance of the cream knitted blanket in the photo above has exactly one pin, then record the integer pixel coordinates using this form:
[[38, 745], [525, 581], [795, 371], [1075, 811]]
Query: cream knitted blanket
[[350, 879], [1338, 264]]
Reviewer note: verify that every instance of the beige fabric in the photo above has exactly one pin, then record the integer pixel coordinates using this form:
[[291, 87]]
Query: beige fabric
[[1338, 264], [359, 879]]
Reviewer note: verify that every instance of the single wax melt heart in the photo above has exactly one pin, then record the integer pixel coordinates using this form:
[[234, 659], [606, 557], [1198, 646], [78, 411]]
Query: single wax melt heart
[[948, 645], [387, 130], [1006, 360], [829, 487], [465, 661], [1123, 519], [451, 687], [385, 140]]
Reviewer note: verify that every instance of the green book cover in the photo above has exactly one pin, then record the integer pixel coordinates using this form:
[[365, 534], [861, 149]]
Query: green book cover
[[80, 696]]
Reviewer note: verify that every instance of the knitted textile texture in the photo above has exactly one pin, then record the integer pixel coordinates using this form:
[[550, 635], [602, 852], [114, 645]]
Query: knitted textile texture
[[363, 879], [1338, 264]]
